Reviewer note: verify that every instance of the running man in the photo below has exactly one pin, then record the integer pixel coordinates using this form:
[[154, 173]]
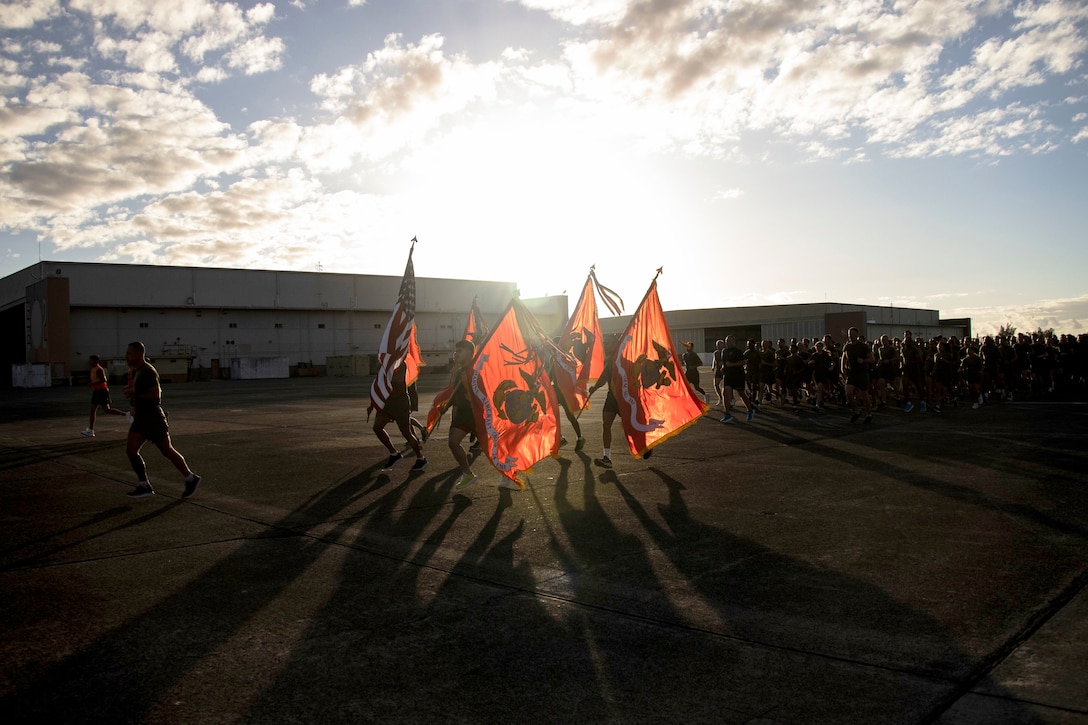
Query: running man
[[100, 395], [149, 424]]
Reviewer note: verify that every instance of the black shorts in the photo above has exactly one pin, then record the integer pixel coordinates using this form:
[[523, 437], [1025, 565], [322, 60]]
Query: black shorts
[[733, 380], [463, 418], [398, 409], [152, 426], [858, 378], [611, 405], [100, 397]]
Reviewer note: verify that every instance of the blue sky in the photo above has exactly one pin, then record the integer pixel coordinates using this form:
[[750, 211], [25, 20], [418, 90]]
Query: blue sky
[[930, 154]]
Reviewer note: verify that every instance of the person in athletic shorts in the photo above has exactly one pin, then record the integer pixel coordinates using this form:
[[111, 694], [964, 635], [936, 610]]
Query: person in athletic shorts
[[857, 356], [733, 379], [610, 410], [971, 372], [692, 361], [100, 394], [911, 354], [398, 409], [751, 371], [464, 420], [766, 370], [718, 369], [149, 424], [821, 363], [888, 372]]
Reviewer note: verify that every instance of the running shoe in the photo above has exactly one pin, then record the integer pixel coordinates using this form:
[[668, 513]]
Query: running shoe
[[467, 479], [855, 416], [420, 464], [87, 432], [923, 406], [142, 490], [909, 407], [393, 458], [727, 419], [751, 415], [603, 462], [580, 444], [128, 416], [191, 486]]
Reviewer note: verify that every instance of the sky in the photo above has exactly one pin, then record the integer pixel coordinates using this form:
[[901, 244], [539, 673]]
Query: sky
[[927, 154]]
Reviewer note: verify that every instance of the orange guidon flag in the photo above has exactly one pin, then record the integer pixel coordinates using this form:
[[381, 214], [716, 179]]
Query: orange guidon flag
[[475, 332], [413, 361], [517, 415], [476, 328], [581, 340], [654, 398]]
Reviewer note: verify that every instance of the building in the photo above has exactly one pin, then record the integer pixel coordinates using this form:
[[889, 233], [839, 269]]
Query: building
[[200, 323], [812, 320]]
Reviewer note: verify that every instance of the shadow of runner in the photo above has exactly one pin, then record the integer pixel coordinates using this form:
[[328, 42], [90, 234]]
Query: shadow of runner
[[766, 598], [124, 674], [424, 639]]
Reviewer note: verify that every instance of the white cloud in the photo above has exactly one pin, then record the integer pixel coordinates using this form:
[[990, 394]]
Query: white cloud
[[1065, 315], [26, 13]]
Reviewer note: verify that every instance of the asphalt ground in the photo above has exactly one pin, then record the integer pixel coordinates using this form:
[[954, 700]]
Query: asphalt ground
[[797, 569]]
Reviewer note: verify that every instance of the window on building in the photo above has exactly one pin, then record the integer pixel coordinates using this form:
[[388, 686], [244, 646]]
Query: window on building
[[321, 325], [143, 324], [233, 324]]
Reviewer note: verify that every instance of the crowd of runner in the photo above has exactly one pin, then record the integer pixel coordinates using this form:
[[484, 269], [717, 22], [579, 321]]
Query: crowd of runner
[[911, 373]]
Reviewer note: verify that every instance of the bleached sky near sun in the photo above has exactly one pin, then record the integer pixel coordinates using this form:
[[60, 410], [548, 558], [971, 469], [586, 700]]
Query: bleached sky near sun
[[930, 153]]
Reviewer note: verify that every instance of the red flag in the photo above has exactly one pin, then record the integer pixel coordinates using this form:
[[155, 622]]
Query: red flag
[[475, 332], [439, 405], [517, 415], [654, 398], [398, 336], [476, 328], [413, 361], [581, 340]]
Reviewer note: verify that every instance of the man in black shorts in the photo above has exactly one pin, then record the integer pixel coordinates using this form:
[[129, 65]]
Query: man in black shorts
[[464, 420], [857, 356], [149, 424], [733, 379], [610, 410], [398, 408], [100, 394]]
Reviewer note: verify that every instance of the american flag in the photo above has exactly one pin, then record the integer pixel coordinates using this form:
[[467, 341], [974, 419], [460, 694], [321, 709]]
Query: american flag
[[396, 339]]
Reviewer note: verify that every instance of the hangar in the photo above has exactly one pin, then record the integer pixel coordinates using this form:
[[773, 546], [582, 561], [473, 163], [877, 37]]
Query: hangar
[[204, 323]]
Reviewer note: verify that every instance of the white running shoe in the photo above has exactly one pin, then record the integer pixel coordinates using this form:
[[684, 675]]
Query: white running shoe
[[467, 479], [87, 432]]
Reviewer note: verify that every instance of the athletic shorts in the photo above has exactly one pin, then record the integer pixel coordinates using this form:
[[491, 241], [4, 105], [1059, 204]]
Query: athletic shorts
[[734, 380], [858, 378], [463, 419], [398, 409], [611, 405], [152, 425], [101, 397]]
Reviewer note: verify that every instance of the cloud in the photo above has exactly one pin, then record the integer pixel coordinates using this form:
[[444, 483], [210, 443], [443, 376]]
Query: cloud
[[897, 73], [16, 14], [1065, 316]]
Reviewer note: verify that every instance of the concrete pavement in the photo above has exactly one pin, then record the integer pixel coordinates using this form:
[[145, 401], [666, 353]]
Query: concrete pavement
[[798, 569]]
